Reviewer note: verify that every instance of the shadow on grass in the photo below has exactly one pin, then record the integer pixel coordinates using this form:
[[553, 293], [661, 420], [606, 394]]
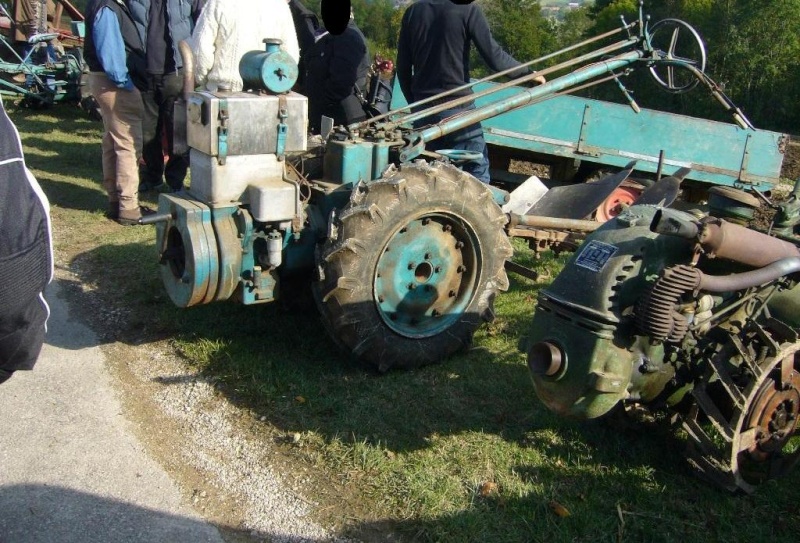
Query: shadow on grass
[[284, 367], [568, 511], [51, 156]]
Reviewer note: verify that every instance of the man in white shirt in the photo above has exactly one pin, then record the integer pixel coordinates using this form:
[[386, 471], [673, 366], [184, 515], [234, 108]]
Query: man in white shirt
[[227, 29]]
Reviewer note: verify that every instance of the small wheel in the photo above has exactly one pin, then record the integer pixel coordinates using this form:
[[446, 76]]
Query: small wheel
[[412, 267], [678, 45], [613, 205]]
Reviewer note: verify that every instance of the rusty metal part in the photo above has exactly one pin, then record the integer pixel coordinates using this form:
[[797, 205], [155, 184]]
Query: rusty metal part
[[546, 358], [655, 311], [721, 239], [519, 269], [745, 411], [543, 240], [188, 68], [774, 414], [552, 222]]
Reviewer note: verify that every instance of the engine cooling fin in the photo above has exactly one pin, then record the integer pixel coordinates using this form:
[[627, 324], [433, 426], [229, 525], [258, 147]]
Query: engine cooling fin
[[655, 312]]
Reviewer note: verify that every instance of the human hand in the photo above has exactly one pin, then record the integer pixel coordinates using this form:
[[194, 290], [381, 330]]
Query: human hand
[[539, 80]]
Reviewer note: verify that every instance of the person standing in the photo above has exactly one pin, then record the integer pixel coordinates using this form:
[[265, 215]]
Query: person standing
[[26, 256], [433, 57], [114, 53], [306, 26], [336, 77], [227, 29], [163, 25]]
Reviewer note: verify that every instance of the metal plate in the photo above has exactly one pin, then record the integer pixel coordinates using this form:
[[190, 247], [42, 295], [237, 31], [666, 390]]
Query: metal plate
[[580, 200]]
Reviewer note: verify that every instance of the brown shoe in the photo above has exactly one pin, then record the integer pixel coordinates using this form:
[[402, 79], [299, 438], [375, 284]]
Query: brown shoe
[[132, 217], [113, 211]]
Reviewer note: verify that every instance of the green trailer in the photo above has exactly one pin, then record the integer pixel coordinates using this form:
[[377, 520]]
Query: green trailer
[[577, 136]]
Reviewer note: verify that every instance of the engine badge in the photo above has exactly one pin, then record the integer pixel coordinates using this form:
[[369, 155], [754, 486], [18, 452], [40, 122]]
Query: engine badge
[[595, 255]]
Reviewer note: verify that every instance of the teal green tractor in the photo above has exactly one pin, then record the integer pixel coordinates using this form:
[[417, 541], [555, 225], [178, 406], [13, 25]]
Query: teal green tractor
[[404, 251]]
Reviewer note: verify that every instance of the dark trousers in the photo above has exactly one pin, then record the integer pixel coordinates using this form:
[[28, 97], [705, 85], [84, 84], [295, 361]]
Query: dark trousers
[[159, 104], [21, 336], [467, 139]]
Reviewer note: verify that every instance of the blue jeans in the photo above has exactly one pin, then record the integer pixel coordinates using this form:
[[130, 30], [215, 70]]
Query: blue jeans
[[467, 139]]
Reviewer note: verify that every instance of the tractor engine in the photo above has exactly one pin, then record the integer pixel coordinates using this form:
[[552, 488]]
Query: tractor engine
[[684, 312], [240, 219]]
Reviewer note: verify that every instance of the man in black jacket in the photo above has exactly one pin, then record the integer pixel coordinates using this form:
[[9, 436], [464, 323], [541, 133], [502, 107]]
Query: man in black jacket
[[163, 24], [26, 258], [336, 74], [433, 57], [306, 26]]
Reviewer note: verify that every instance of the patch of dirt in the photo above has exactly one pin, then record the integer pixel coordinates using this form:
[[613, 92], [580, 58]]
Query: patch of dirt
[[231, 466], [791, 159]]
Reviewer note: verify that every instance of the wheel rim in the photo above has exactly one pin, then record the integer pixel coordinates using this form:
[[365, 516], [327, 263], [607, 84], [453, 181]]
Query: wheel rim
[[774, 416], [426, 275], [613, 205]]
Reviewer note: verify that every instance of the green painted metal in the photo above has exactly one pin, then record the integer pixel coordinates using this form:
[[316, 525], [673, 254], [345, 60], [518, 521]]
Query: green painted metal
[[582, 312], [426, 275], [785, 306], [350, 161], [272, 69], [569, 128], [188, 258]]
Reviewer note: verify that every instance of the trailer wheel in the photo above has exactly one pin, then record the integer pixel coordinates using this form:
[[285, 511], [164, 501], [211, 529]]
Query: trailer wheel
[[623, 196], [412, 265]]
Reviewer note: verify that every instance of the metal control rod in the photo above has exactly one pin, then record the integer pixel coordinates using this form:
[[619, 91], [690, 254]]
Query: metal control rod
[[467, 118], [491, 77]]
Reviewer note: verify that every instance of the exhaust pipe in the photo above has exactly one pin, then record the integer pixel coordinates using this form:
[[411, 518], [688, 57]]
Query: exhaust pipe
[[180, 144]]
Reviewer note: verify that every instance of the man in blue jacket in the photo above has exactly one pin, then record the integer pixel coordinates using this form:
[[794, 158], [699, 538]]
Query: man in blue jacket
[[26, 257], [163, 24], [114, 53], [433, 57]]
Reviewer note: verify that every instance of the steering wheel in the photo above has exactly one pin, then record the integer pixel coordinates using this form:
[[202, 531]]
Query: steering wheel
[[460, 156], [677, 44]]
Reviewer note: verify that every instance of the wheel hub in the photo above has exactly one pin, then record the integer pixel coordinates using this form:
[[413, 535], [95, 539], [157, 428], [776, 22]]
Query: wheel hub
[[775, 414], [426, 274]]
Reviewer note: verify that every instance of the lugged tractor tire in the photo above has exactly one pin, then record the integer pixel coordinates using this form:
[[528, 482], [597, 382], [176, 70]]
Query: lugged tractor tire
[[412, 265]]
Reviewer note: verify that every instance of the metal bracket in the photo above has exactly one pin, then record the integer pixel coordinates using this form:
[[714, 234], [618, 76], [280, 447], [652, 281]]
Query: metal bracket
[[283, 128], [582, 148], [222, 132], [745, 160]]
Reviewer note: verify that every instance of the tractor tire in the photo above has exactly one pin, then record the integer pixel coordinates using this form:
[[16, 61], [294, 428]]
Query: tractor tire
[[412, 265]]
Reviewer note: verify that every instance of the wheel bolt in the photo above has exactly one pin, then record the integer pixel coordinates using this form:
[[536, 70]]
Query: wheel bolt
[[447, 228], [461, 269], [425, 221], [459, 244], [435, 313], [452, 293], [380, 299], [427, 256], [437, 269], [411, 286], [411, 265]]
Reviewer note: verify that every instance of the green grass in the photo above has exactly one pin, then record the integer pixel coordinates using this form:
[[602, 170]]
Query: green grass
[[461, 451]]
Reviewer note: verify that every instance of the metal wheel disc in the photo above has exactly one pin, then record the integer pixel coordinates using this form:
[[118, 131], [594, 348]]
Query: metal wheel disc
[[426, 275]]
